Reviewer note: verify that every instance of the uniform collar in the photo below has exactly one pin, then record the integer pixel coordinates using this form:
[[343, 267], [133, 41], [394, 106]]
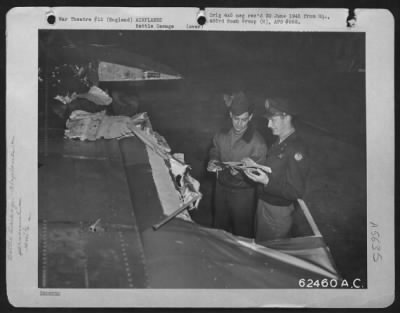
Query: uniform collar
[[280, 140], [247, 135], [290, 137]]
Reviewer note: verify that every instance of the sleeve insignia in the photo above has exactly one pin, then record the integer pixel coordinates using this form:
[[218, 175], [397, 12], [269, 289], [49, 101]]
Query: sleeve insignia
[[298, 156]]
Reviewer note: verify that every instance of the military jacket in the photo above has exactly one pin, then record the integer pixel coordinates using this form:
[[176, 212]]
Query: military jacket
[[289, 162], [227, 148]]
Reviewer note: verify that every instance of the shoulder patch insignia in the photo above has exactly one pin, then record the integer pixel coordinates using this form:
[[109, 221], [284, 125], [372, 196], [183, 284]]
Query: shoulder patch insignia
[[298, 156]]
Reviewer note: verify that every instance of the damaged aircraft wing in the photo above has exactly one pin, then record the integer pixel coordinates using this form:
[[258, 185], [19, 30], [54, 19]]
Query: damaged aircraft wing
[[125, 187], [112, 64]]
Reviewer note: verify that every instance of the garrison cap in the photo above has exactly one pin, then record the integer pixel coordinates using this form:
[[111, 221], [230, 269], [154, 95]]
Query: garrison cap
[[240, 104]]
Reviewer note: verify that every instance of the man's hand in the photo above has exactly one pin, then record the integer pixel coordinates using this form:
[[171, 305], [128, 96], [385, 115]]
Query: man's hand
[[257, 175], [249, 162], [213, 166]]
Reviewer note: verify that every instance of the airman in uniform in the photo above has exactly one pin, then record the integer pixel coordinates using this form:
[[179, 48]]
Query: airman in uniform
[[235, 194], [289, 163]]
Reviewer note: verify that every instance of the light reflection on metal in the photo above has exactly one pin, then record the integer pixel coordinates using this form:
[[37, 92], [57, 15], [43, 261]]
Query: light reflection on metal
[[116, 72]]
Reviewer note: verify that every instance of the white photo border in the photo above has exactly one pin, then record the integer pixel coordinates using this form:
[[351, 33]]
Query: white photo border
[[22, 234]]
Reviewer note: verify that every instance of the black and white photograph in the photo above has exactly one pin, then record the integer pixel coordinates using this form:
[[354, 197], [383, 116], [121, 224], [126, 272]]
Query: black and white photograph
[[192, 160], [258, 138]]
